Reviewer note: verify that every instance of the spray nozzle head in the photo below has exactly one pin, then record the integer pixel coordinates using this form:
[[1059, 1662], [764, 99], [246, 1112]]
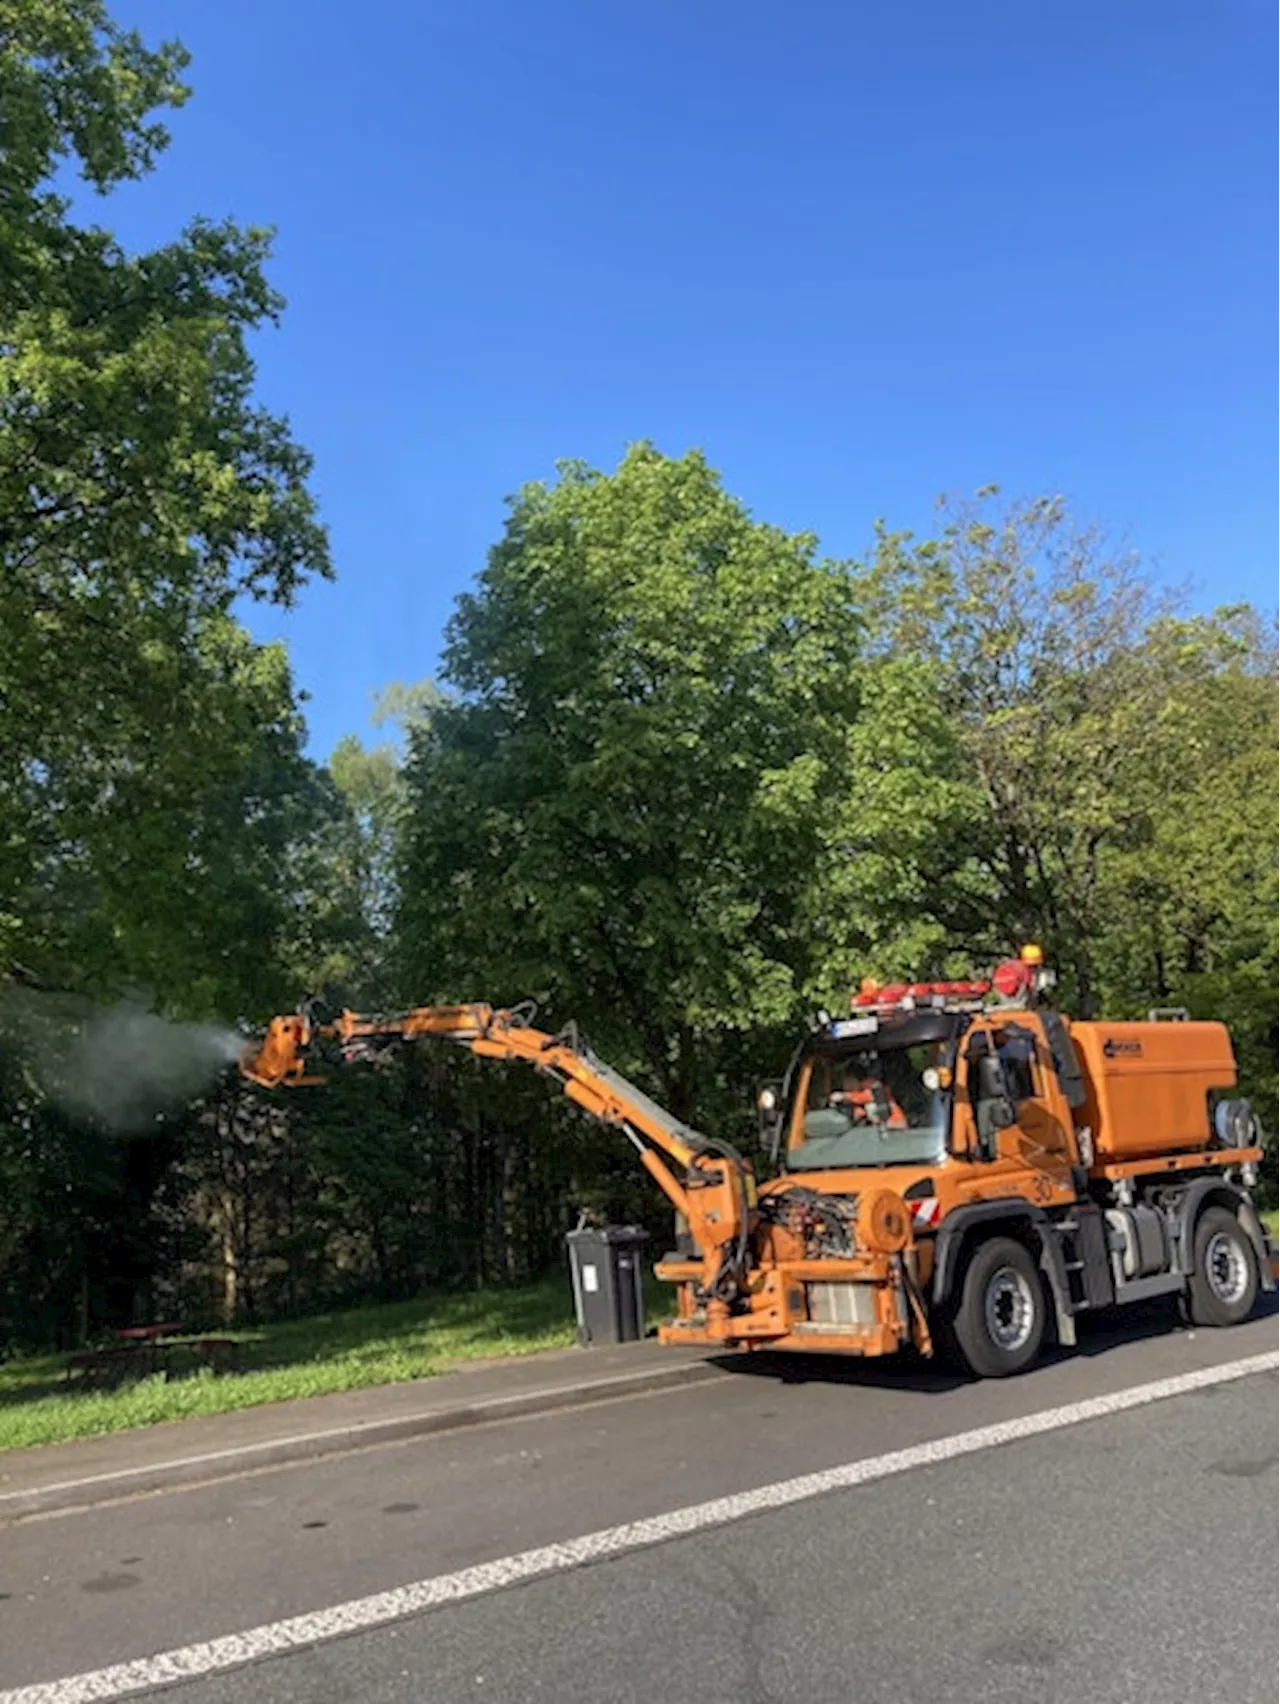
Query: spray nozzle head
[[278, 1057]]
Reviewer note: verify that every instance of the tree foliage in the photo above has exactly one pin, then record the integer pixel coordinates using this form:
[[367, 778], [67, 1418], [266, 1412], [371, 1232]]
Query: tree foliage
[[152, 783], [142, 488], [664, 754]]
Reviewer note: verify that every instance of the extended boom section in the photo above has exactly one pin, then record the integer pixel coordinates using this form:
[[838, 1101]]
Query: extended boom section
[[706, 1181]]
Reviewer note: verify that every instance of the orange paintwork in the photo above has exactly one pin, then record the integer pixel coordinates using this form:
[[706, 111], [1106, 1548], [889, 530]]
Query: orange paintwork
[[883, 1222], [1192, 1160], [1149, 1085], [1035, 1161], [704, 1187], [1147, 1111]]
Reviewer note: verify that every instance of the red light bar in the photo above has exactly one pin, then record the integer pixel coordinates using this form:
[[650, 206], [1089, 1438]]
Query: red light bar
[[897, 993]]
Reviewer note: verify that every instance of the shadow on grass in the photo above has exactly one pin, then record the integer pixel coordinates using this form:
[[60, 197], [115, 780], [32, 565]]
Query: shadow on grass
[[34, 1389], [437, 1326], [45, 1379], [432, 1331]]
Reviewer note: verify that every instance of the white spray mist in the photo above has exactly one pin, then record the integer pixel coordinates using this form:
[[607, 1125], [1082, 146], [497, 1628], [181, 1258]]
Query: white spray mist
[[123, 1066]]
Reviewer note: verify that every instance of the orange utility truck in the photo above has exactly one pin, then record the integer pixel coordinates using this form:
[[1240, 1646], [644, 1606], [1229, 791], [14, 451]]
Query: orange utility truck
[[956, 1162]]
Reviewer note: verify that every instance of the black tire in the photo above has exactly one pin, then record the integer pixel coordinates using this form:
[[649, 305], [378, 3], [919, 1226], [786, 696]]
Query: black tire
[[1224, 1277], [999, 1324]]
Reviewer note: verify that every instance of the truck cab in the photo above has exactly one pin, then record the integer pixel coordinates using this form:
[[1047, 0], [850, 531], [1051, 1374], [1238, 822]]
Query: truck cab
[[959, 1105]]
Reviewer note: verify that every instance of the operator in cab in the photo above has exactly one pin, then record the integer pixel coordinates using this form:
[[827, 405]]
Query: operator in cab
[[867, 1100]]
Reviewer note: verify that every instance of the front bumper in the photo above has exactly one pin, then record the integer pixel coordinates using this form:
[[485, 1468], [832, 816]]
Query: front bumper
[[837, 1307]]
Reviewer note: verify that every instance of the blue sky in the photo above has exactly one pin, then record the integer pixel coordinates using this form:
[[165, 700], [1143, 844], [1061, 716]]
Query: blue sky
[[859, 253]]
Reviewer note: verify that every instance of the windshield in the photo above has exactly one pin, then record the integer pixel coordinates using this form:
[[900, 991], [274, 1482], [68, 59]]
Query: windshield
[[871, 1107]]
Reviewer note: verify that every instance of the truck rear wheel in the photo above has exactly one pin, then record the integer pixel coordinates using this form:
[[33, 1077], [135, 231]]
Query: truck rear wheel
[[999, 1325], [1224, 1277]]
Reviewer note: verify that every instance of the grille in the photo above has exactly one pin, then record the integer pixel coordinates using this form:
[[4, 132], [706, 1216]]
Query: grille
[[846, 1304]]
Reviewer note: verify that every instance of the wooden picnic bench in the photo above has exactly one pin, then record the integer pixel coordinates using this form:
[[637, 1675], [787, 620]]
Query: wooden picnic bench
[[216, 1353], [143, 1350], [108, 1366]]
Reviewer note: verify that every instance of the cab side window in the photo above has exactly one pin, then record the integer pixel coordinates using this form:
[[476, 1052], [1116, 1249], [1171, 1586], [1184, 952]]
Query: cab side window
[[1003, 1075], [1017, 1055]]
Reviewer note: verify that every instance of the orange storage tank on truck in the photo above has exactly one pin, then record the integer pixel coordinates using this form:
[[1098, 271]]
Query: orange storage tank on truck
[[1149, 1087], [955, 1163]]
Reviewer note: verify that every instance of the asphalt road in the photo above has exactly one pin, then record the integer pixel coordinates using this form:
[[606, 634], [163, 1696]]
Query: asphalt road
[[1129, 1557]]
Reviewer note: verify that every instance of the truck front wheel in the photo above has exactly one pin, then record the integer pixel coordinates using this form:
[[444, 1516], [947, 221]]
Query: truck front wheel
[[1000, 1322], [1224, 1278]]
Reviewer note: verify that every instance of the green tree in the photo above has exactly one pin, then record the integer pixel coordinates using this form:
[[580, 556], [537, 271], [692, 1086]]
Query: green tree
[[1191, 902], [142, 488], [345, 872], [1035, 637], [1126, 756], [664, 756], [163, 859], [152, 788]]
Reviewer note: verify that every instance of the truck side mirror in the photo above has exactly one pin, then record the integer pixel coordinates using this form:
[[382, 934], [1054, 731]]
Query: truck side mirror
[[989, 1077], [769, 1116], [1001, 1113], [993, 1115], [992, 1103]]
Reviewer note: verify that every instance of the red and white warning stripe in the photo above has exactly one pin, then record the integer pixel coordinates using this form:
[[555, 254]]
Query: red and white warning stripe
[[926, 1210]]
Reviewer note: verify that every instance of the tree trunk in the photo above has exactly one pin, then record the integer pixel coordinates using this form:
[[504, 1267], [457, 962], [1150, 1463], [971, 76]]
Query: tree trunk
[[230, 1299]]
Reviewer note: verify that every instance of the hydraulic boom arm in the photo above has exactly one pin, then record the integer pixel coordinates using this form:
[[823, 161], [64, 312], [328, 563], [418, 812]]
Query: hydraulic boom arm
[[705, 1180]]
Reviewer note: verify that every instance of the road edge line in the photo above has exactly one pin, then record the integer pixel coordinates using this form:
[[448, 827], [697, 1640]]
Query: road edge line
[[360, 1615]]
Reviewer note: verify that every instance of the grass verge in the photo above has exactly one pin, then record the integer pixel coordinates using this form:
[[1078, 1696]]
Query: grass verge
[[296, 1358]]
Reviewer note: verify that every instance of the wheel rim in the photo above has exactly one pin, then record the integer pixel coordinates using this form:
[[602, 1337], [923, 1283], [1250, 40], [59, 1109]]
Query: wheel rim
[[1010, 1309], [1225, 1267]]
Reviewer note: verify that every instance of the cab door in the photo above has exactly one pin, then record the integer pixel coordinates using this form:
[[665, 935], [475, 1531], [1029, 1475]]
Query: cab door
[[1035, 1153], [1043, 1139]]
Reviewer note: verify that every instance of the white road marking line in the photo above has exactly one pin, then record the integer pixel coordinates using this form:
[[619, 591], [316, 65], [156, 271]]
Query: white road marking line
[[362, 1614]]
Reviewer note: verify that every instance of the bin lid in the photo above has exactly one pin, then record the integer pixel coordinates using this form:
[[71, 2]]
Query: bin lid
[[608, 1234]]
